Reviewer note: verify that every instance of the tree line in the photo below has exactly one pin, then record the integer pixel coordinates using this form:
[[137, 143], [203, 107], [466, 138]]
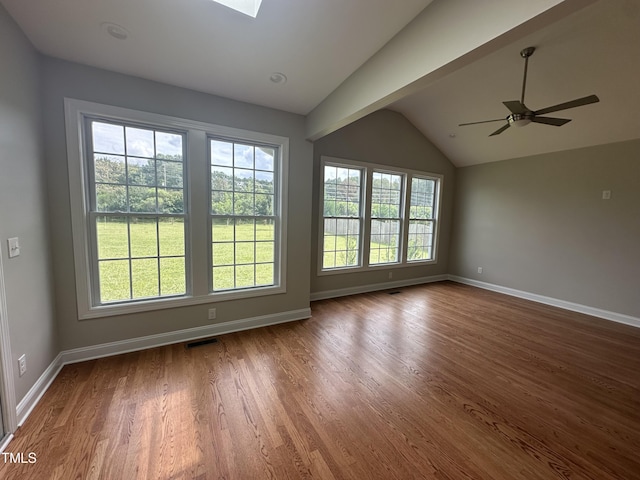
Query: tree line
[[156, 186]]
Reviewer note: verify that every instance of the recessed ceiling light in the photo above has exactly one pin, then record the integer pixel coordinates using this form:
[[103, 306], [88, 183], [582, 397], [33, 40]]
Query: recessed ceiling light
[[115, 30], [248, 7], [452, 135], [279, 78]]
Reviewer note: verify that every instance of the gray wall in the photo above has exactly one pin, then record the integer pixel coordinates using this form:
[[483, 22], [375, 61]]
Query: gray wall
[[388, 138], [539, 224], [32, 329], [64, 79]]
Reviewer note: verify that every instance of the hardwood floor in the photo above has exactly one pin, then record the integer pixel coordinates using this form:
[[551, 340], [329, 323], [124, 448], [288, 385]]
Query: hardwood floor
[[439, 381]]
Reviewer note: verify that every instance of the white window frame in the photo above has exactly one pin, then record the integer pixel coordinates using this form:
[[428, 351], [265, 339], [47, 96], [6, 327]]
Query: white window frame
[[361, 217], [279, 220], [365, 236], [401, 210], [197, 241]]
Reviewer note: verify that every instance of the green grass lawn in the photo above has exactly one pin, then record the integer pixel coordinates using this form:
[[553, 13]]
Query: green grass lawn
[[154, 271], [157, 265]]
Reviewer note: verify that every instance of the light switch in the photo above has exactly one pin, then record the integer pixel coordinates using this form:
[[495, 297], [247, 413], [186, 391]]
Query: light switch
[[606, 194], [14, 247]]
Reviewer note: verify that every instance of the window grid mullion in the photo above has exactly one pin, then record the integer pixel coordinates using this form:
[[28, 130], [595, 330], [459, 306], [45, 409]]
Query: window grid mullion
[[129, 257]]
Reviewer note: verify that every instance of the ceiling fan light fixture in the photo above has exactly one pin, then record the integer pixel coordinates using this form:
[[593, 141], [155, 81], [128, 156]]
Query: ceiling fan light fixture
[[519, 120]]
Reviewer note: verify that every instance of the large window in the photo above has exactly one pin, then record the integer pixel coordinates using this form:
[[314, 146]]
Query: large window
[[342, 206], [421, 219], [169, 212], [243, 214], [395, 210], [136, 211], [386, 217]]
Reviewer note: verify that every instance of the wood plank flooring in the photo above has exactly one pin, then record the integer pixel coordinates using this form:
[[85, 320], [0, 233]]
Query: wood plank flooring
[[441, 381]]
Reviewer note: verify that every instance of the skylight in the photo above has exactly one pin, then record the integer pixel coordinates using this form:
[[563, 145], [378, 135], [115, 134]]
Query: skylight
[[248, 7]]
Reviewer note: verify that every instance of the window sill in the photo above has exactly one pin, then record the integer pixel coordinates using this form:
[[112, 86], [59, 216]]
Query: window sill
[[175, 302], [371, 268]]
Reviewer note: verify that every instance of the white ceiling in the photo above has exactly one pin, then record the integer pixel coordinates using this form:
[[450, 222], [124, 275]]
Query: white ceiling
[[318, 44], [205, 46]]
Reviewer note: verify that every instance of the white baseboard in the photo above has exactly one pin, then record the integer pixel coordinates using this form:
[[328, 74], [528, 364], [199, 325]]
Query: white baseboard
[[76, 355], [150, 341], [36, 392], [5, 441], [555, 302], [343, 292]]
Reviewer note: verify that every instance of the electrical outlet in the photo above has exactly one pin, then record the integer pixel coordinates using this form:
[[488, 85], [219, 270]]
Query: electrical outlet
[[480, 270], [390, 275], [212, 314], [22, 364]]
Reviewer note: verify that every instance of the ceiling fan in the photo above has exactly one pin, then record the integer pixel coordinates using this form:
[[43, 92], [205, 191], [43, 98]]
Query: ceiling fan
[[521, 115]]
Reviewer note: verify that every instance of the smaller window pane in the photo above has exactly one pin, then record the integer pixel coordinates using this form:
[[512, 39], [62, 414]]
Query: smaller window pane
[[264, 205], [265, 158], [329, 208], [113, 237], [265, 274], [243, 204], [265, 252], [144, 278], [330, 242], [111, 198], [223, 278], [264, 182], [114, 280], [265, 229], [168, 146], [329, 260], [107, 138], [169, 174], [222, 203], [223, 230], [142, 200], [243, 156], [109, 168], [141, 171], [221, 153], [245, 229], [171, 237], [243, 180], [222, 178], [223, 254], [144, 237], [139, 142], [245, 276], [170, 200], [245, 253], [172, 276], [342, 175]]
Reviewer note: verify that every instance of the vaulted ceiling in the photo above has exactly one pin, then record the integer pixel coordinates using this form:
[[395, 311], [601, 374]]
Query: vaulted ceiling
[[440, 63]]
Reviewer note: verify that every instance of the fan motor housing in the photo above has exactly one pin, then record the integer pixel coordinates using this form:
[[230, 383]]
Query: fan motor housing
[[520, 119]]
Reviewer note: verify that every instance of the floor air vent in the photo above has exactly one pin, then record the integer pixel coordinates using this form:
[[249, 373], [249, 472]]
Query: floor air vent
[[199, 343]]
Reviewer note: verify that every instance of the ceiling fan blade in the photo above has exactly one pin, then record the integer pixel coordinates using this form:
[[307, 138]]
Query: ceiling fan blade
[[516, 106], [482, 121], [500, 130], [558, 122], [566, 105]]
